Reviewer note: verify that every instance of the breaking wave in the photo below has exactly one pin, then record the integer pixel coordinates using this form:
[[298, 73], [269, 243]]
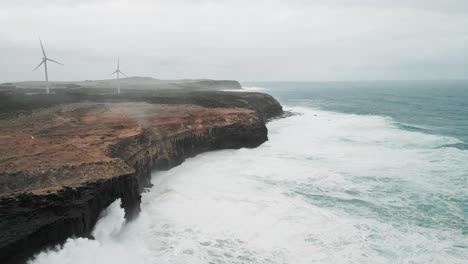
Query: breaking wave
[[326, 188]]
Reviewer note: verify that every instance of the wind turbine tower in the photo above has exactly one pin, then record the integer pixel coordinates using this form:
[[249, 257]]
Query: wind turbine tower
[[44, 61], [118, 72]]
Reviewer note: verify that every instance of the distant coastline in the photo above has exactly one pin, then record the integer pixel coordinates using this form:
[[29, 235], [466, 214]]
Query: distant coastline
[[131, 83]]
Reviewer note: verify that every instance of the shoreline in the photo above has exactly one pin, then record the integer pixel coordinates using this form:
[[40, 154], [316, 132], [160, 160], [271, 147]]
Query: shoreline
[[33, 220]]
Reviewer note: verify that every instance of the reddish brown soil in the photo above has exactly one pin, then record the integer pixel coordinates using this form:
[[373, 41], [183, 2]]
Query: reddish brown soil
[[74, 139]]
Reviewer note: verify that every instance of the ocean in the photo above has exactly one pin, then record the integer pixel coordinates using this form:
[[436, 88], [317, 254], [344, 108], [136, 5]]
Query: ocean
[[364, 172]]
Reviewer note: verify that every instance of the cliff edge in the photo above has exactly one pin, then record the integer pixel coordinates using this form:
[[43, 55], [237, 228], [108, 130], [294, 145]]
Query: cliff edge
[[63, 161]]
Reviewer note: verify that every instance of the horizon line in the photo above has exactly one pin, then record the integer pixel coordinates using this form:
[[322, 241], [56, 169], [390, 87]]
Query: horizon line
[[261, 81]]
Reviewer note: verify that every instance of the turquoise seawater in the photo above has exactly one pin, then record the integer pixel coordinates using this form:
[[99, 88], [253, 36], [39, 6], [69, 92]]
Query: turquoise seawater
[[439, 107], [371, 172]]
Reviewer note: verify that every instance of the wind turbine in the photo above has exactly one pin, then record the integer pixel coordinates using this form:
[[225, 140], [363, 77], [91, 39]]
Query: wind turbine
[[44, 61], [118, 75]]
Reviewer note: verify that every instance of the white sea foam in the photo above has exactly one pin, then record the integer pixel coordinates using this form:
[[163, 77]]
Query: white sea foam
[[326, 188]]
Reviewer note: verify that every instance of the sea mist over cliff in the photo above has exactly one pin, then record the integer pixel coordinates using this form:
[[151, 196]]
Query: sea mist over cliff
[[327, 187]]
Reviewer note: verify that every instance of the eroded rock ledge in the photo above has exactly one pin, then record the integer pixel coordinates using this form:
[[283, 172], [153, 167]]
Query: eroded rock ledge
[[60, 166]]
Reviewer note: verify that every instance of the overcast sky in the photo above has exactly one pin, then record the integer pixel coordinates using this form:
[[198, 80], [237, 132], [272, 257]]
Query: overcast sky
[[245, 40]]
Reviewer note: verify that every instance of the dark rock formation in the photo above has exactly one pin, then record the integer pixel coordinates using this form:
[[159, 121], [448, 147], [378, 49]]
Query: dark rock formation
[[31, 222]]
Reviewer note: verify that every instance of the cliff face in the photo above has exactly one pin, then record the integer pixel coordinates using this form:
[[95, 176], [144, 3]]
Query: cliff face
[[33, 222], [80, 158], [147, 152]]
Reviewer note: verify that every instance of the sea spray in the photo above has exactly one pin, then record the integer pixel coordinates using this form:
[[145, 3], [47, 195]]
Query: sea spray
[[328, 188]]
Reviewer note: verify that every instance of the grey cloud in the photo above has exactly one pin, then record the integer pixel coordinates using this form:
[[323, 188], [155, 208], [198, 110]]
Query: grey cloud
[[436, 5], [245, 40]]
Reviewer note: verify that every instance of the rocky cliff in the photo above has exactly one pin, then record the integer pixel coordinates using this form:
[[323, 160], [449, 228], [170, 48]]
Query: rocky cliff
[[62, 164]]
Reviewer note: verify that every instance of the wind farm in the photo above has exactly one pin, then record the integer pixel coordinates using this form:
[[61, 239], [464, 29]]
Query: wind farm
[[44, 61], [107, 86]]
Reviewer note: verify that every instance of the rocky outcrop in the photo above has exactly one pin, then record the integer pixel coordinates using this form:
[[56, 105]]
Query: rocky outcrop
[[33, 222], [129, 140]]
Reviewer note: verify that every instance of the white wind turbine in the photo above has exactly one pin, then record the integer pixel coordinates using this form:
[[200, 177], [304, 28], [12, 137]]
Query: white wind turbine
[[44, 61], [118, 75]]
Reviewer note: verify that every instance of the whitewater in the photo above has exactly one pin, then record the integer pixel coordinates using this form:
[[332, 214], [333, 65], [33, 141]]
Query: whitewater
[[326, 188]]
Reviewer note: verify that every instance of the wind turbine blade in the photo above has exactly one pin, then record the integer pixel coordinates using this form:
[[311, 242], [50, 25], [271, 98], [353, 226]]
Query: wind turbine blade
[[54, 61], [39, 65], [113, 73], [123, 74], [42, 47], [118, 63]]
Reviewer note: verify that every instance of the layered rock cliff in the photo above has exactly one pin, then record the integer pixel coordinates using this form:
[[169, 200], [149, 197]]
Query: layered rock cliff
[[60, 166]]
